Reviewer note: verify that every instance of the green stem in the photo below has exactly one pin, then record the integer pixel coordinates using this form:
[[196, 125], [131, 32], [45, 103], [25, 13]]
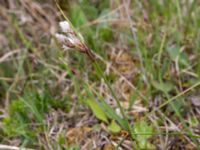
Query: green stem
[[114, 95]]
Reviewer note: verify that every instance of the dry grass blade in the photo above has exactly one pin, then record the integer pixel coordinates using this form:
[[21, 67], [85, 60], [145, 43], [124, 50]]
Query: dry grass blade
[[7, 147], [7, 55]]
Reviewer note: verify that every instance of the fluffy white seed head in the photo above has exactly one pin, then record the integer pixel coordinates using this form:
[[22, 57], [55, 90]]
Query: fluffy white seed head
[[61, 38], [69, 38], [65, 26], [73, 40], [65, 47], [68, 41]]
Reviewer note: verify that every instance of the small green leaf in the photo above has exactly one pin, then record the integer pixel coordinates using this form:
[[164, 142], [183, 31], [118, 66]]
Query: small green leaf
[[143, 131], [183, 59], [112, 114], [164, 87], [114, 127], [96, 109], [175, 53]]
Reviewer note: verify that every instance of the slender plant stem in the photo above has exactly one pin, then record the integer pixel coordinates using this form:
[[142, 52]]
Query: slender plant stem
[[115, 97]]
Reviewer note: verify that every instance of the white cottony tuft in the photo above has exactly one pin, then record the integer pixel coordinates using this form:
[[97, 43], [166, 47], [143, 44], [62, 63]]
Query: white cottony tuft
[[65, 26], [73, 40], [65, 47], [62, 38], [69, 38]]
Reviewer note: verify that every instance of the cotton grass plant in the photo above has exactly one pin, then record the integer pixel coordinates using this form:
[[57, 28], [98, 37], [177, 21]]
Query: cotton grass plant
[[72, 40]]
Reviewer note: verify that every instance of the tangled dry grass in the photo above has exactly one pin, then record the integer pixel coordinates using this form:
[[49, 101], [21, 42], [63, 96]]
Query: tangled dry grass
[[148, 54]]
